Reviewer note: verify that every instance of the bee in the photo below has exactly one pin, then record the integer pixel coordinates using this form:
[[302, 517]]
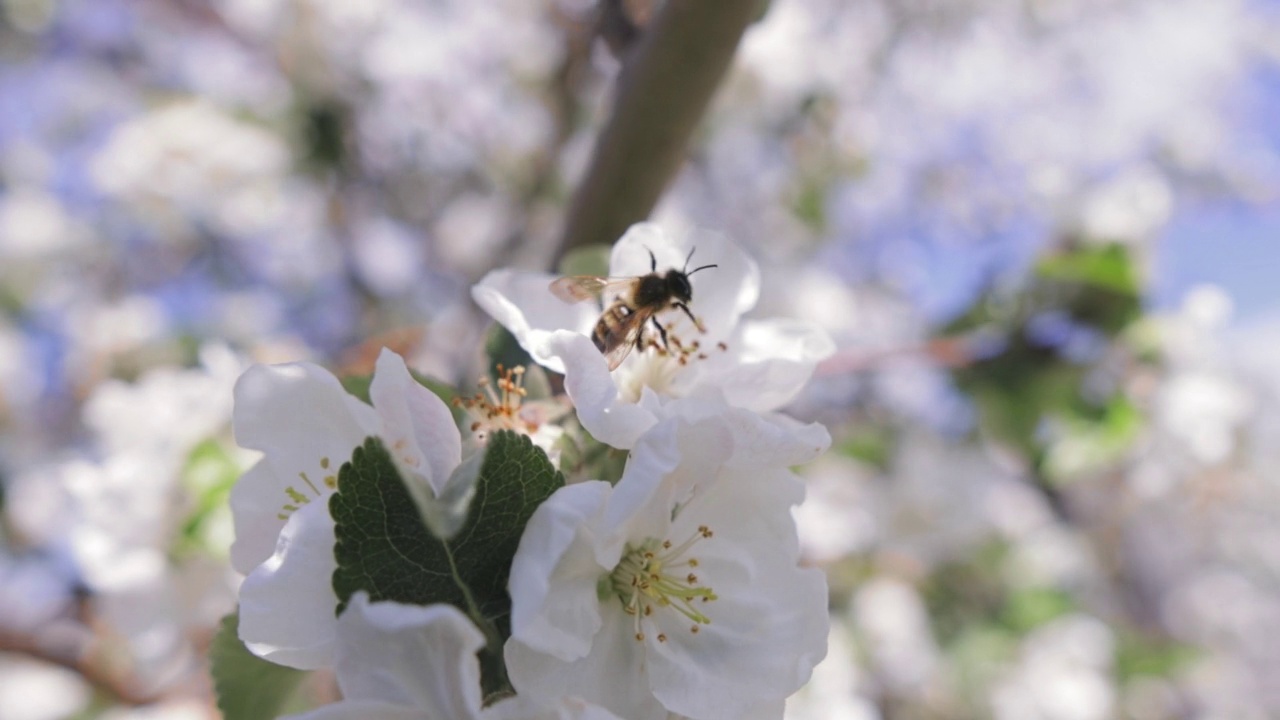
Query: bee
[[635, 305]]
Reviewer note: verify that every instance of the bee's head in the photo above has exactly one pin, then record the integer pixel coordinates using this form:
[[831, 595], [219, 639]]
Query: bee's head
[[678, 285], [678, 280]]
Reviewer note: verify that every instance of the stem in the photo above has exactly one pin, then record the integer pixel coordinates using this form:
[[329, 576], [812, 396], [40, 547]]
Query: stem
[[663, 91], [493, 640]]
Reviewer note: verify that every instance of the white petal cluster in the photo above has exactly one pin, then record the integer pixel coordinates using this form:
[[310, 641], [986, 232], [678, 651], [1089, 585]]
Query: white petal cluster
[[758, 365], [676, 592], [408, 662], [307, 425]]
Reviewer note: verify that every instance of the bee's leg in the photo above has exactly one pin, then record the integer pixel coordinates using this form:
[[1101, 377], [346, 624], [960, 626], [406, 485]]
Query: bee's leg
[[653, 262], [662, 333], [639, 343], [696, 322]]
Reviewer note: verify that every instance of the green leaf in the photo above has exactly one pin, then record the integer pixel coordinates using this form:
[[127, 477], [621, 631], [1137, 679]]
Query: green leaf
[[210, 473], [503, 349], [583, 457], [586, 260], [384, 548], [1029, 608], [1108, 266], [1139, 654], [871, 444], [248, 687]]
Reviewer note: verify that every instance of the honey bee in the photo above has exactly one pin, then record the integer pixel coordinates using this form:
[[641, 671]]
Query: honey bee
[[636, 303]]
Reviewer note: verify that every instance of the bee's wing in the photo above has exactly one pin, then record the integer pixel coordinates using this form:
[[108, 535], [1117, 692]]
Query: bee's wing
[[577, 288], [618, 340]]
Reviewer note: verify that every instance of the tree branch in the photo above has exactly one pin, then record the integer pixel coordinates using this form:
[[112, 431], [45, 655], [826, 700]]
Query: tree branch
[[666, 84], [74, 651]]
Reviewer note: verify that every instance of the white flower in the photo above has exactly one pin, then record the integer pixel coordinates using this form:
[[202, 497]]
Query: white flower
[[409, 662], [676, 591], [502, 404], [756, 364], [306, 425]]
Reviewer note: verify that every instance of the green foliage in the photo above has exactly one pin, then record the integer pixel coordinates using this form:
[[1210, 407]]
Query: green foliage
[[1036, 391], [1154, 656], [810, 203], [384, 548], [1028, 608], [503, 349], [1104, 266], [979, 655], [967, 594], [974, 593], [1092, 441], [209, 474], [248, 687], [869, 443], [586, 260], [583, 457]]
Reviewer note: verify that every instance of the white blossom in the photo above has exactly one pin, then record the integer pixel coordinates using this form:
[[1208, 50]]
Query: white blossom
[[676, 591], [307, 425], [409, 662], [759, 365]]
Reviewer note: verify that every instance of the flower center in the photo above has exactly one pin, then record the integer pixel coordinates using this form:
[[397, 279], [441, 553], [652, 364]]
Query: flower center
[[502, 408], [657, 574], [658, 364], [309, 491]]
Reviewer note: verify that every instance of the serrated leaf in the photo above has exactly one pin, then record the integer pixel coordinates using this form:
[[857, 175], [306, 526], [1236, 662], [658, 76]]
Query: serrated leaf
[[248, 687], [384, 547]]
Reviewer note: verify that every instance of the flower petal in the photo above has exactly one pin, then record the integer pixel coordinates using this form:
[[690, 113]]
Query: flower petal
[[417, 427], [769, 624], [256, 503], [668, 467], [287, 603], [299, 416], [554, 575], [522, 302], [768, 362], [768, 438], [768, 631], [590, 385], [422, 657], [612, 675]]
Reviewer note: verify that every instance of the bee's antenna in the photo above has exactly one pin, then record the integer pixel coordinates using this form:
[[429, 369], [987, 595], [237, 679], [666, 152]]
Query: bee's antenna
[[687, 259], [704, 267]]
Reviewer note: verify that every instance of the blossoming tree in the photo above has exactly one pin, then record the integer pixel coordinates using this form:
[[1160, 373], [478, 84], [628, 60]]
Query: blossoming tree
[[673, 589]]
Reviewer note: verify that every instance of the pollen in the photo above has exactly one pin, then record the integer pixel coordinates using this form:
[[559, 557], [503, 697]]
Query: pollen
[[299, 495], [500, 404], [651, 577]]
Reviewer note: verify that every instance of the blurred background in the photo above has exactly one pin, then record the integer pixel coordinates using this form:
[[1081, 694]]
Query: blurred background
[[1044, 234]]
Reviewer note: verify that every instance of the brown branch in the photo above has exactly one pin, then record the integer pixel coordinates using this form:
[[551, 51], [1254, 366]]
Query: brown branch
[[944, 352], [666, 84], [73, 648]]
